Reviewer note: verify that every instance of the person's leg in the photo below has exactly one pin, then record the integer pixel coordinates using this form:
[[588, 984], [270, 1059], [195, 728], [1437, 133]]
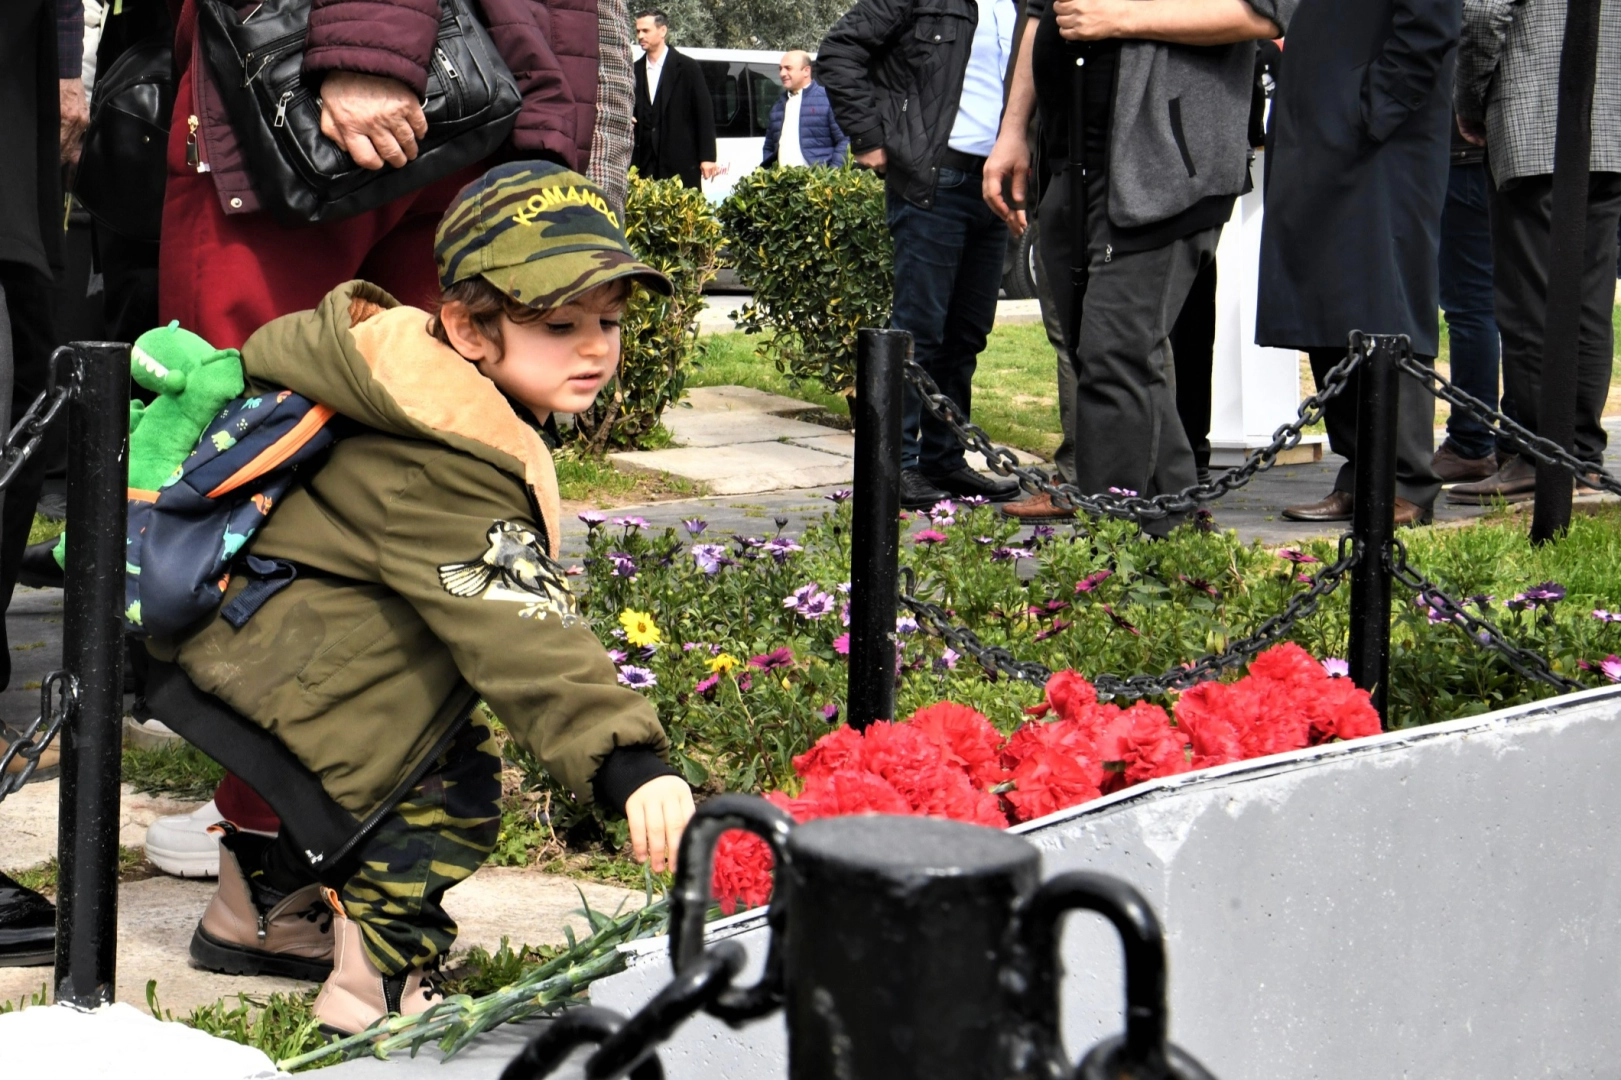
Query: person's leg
[[1466, 298], [1415, 426], [1064, 456], [1520, 220], [1128, 434], [33, 339], [1596, 348], [438, 835], [1339, 415], [1193, 351], [928, 249], [970, 314]]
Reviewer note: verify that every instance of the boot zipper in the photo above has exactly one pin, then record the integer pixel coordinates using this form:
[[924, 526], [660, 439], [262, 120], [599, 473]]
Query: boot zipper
[[264, 926]]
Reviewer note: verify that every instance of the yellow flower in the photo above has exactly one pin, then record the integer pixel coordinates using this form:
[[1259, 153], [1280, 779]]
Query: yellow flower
[[639, 628], [723, 664]]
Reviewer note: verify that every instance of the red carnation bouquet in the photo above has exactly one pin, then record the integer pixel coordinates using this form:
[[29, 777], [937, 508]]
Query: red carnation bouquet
[[948, 761]]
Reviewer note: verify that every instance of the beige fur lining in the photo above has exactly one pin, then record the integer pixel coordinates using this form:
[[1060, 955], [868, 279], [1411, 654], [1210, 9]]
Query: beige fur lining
[[436, 388]]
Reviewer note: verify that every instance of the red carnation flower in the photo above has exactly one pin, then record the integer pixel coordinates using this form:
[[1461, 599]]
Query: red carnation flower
[[966, 740], [837, 751], [1067, 694]]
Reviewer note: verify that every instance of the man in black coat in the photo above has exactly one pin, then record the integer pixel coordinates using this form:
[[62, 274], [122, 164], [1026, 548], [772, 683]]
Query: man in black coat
[[675, 121], [1357, 176]]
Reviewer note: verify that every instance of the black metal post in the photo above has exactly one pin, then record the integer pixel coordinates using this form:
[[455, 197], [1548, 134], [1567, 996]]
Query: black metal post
[[93, 654], [875, 527], [897, 935], [1373, 517], [1572, 157]]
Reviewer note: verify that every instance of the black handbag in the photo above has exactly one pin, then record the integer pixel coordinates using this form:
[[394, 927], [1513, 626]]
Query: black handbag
[[300, 175], [121, 170]]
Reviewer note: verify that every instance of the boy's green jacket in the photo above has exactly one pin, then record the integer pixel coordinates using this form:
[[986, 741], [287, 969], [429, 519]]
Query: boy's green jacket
[[425, 549]]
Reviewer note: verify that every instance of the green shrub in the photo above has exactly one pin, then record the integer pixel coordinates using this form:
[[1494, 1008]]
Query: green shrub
[[672, 228], [812, 246]]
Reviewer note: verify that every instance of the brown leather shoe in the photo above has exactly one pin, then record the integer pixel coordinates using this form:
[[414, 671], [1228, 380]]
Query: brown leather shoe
[[1452, 467], [357, 994], [1409, 514], [292, 937], [1036, 509], [1514, 481], [1335, 507]]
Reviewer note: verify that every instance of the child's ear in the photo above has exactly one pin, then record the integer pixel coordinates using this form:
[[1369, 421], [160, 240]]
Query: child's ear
[[464, 336]]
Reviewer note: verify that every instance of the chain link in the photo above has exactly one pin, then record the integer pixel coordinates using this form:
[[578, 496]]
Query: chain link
[[58, 700], [1526, 664], [1069, 497], [23, 439], [1534, 446], [995, 658]]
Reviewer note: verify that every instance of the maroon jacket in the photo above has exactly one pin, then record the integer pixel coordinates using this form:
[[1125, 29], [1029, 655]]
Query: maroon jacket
[[549, 45]]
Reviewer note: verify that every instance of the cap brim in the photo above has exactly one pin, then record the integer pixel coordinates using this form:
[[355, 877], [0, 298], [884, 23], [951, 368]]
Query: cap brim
[[563, 277]]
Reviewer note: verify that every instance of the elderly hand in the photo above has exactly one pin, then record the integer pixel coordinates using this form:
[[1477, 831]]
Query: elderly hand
[[658, 813], [75, 117], [1473, 131], [374, 118], [1090, 20]]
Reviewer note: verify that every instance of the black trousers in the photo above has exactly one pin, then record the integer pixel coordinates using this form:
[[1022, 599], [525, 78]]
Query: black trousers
[[1128, 434], [1522, 214], [1415, 431], [28, 304]]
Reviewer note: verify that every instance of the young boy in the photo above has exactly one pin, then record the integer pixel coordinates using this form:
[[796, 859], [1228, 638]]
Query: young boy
[[411, 575]]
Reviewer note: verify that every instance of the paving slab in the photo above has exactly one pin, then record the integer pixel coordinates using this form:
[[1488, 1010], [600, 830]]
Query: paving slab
[[700, 427], [739, 399], [742, 469], [28, 821]]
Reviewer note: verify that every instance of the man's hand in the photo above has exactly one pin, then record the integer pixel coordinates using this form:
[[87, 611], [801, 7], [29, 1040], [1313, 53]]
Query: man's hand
[[873, 159], [1009, 167], [1473, 131], [709, 169], [374, 118], [75, 117], [658, 813], [1090, 20]]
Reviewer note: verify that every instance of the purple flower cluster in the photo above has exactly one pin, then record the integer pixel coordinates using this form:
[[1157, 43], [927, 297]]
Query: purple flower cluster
[[637, 678], [1547, 594], [709, 557], [809, 601]]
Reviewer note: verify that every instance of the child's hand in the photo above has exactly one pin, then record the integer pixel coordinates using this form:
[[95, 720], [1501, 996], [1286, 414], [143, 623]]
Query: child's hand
[[658, 812]]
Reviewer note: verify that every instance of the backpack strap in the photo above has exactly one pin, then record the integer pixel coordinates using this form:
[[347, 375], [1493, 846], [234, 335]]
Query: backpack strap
[[270, 576]]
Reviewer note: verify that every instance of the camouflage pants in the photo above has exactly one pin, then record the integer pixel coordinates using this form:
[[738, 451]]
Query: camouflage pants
[[440, 833]]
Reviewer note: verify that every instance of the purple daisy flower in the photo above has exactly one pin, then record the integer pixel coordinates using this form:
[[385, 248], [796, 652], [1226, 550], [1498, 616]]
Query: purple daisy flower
[[694, 526], [1126, 493], [1093, 580], [928, 536], [617, 655], [637, 677], [1336, 668], [708, 557], [975, 501], [632, 522], [1606, 616], [839, 496], [1297, 557], [592, 518], [706, 686], [830, 712], [780, 547], [1611, 666], [841, 644], [905, 624], [624, 565], [1008, 554], [1545, 595]]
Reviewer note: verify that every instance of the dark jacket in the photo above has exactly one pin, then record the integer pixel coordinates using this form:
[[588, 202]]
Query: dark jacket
[[894, 72], [1357, 173], [30, 193], [820, 139], [549, 45], [676, 133]]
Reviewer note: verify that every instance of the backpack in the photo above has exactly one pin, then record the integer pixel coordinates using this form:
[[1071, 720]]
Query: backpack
[[183, 540]]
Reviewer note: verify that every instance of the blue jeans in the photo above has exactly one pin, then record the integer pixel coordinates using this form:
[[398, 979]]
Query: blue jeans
[[1466, 298], [948, 274]]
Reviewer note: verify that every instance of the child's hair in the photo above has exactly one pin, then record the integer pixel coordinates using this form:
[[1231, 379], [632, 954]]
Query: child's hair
[[486, 304]]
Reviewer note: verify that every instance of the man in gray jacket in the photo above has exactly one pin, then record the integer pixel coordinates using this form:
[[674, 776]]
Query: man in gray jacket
[[1166, 122], [1506, 96]]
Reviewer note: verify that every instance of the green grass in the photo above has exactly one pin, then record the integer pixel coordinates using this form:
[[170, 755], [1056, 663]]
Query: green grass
[[282, 1025], [729, 360], [42, 878], [181, 771]]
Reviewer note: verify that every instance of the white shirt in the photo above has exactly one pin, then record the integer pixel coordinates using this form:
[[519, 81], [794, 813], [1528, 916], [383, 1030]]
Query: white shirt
[[788, 151], [654, 70], [979, 111]]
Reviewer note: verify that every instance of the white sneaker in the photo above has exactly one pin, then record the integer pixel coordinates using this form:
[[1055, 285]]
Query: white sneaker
[[181, 844]]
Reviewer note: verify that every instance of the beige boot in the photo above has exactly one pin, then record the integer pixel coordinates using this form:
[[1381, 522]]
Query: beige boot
[[357, 995], [293, 938]]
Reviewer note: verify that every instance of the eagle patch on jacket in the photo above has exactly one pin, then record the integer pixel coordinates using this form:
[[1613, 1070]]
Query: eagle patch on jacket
[[514, 567]]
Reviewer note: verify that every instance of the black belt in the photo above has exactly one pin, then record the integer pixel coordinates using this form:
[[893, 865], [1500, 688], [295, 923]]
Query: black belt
[[956, 159]]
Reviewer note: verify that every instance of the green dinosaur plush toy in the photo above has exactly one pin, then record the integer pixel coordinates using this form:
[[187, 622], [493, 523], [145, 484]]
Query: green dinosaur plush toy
[[193, 381]]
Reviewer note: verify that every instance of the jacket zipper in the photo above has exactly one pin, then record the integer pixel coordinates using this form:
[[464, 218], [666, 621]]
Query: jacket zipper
[[194, 124]]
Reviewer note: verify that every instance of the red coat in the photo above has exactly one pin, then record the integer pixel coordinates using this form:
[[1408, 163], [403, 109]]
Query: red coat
[[549, 45]]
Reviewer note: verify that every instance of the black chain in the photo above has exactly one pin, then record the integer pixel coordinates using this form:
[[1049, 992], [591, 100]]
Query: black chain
[[1530, 444], [1526, 664], [1069, 497], [994, 658], [58, 700], [23, 439]]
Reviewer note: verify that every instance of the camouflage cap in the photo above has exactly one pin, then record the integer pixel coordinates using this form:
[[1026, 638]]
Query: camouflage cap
[[541, 234]]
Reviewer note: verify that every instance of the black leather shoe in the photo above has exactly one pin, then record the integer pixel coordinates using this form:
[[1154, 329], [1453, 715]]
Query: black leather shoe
[[965, 483], [917, 493], [37, 568], [27, 926]]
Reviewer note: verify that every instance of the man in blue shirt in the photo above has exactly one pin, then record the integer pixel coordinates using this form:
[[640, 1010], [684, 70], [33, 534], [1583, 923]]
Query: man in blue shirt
[[802, 130], [919, 91]]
